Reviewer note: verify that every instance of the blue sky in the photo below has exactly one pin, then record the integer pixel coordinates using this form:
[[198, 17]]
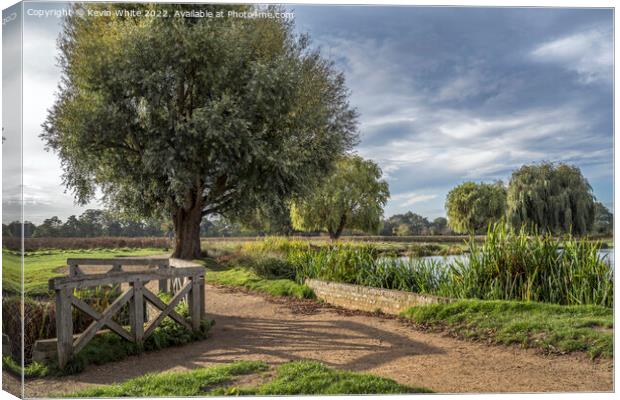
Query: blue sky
[[444, 94]]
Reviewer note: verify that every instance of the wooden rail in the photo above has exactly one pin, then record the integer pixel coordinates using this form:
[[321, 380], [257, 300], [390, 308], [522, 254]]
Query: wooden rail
[[186, 281]]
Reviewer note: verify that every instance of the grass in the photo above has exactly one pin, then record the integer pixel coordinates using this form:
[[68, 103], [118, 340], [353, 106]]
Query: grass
[[313, 378], [192, 383], [549, 327], [32, 370], [41, 265], [242, 277], [293, 378]]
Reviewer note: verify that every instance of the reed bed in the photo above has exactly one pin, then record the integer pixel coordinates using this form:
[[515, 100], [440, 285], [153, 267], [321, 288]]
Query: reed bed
[[509, 265]]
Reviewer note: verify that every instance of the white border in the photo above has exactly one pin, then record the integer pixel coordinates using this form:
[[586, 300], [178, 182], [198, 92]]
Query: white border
[[476, 3]]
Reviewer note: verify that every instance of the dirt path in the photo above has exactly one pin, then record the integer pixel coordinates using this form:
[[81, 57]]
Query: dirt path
[[252, 327]]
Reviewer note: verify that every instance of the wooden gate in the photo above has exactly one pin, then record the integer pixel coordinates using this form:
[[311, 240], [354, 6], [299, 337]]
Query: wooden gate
[[192, 288]]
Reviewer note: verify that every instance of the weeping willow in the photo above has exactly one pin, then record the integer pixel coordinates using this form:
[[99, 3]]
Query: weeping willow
[[551, 197]]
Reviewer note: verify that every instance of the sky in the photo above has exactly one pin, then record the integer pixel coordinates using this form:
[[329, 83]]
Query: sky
[[445, 95]]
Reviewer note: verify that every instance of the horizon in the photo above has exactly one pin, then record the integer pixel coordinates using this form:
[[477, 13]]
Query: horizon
[[440, 102]]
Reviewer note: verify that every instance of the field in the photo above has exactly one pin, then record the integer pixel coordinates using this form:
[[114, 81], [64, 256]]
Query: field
[[41, 265]]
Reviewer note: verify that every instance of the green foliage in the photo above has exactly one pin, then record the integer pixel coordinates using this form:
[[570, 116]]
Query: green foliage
[[552, 328], [186, 117], [250, 280], [511, 265], [551, 197], [411, 224], [32, 370], [352, 197], [313, 378], [508, 265], [196, 382], [471, 206], [603, 220]]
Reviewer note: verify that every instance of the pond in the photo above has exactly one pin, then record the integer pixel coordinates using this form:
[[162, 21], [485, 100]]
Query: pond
[[605, 254]]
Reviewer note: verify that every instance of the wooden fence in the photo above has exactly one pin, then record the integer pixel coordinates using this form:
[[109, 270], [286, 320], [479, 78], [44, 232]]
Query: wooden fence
[[183, 279]]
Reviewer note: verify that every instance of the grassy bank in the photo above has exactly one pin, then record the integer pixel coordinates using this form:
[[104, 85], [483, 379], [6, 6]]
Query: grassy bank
[[248, 279], [294, 378], [41, 265], [552, 328]]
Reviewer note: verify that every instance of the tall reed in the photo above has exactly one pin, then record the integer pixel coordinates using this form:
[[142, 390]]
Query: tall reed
[[509, 265]]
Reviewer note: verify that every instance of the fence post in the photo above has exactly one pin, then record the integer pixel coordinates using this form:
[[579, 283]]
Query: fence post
[[163, 283], [64, 326], [194, 298], [136, 313], [202, 296]]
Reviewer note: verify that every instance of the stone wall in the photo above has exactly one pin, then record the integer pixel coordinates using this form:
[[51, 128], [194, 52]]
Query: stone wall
[[364, 298]]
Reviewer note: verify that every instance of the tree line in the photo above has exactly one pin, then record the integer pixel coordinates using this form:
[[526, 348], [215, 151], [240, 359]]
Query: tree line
[[544, 197]]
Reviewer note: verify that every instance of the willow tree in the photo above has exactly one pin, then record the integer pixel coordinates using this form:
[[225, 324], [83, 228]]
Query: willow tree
[[185, 117], [471, 206], [551, 197], [352, 197]]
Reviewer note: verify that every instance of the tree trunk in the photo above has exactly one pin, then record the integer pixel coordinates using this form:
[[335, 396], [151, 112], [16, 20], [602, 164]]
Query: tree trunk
[[187, 232], [334, 235]]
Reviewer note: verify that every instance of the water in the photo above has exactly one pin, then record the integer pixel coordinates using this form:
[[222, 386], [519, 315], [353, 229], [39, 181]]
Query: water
[[605, 254]]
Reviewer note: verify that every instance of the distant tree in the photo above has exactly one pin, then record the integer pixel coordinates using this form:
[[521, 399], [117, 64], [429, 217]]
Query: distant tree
[[439, 226], [14, 229], [192, 117], [603, 220], [51, 227], [552, 197], [71, 227], [403, 230], [91, 223], [471, 206], [352, 197], [272, 219], [387, 227]]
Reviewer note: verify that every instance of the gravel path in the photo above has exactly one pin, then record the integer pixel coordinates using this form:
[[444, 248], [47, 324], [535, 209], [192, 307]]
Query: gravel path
[[254, 327]]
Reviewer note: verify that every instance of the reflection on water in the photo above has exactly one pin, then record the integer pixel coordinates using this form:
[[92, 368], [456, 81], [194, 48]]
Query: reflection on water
[[606, 254]]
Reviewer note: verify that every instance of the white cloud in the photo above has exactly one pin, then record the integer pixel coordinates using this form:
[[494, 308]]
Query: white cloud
[[588, 53], [411, 198]]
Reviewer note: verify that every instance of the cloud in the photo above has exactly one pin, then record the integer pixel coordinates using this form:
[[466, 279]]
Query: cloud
[[444, 95], [411, 198], [588, 53]]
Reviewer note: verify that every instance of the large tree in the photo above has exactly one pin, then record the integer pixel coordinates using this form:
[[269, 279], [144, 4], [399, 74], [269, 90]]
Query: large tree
[[187, 117], [551, 197], [471, 206], [352, 197]]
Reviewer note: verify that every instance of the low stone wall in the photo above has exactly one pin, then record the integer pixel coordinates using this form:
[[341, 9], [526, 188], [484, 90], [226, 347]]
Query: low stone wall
[[364, 298]]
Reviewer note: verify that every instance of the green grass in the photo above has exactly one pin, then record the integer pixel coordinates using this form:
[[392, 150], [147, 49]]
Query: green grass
[[33, 370], [313, 378], [40, 266], [192, 383], [549, 327], [294, 378], [246, 278]]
